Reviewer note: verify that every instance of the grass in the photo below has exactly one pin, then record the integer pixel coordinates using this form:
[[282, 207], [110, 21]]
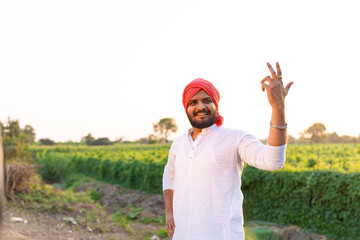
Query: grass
[[85, 208], [45, 198]]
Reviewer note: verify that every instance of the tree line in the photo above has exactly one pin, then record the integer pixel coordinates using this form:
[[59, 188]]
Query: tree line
[[316, 133], [17, 139]]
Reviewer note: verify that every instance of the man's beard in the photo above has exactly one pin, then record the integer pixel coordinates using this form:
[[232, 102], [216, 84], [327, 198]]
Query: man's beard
[[200, 124]]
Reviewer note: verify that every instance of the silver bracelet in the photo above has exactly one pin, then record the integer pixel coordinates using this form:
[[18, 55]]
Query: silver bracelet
[[278, 127]]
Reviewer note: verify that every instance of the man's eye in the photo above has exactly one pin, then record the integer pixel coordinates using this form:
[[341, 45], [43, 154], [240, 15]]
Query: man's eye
[[192, 103], [207, 101]]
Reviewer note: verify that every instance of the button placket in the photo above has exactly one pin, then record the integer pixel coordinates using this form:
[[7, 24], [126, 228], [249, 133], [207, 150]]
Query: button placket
[[191, 157]]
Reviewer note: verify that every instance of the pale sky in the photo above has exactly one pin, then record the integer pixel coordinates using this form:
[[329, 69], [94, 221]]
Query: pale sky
[[112, 68]]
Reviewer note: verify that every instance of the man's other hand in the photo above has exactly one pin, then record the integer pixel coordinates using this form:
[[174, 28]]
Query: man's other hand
[[170, 224]]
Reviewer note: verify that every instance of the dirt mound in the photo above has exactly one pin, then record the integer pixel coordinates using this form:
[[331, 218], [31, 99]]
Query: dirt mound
[[286, 232], [294, 233], [18, 177], [115, 197]]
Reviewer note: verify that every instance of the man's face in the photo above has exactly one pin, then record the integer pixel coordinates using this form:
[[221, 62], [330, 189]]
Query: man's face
[[201, 110]]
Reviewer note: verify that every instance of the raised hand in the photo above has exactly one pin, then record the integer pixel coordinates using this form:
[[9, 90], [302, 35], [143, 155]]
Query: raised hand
[[276, 92]]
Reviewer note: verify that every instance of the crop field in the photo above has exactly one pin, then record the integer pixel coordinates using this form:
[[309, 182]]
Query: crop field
[[317, 189], [333, 157], [133, 165]]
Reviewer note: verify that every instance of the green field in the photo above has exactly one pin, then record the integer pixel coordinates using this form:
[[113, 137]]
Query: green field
[[333, 157], [317, 189], [133, 166]]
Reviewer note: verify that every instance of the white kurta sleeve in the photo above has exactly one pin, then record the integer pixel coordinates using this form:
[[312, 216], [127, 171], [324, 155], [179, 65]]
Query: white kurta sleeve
[[261, 156], [169, 171]]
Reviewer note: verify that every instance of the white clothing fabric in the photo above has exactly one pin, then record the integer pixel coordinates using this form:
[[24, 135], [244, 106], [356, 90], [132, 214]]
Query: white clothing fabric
[[206, 177]]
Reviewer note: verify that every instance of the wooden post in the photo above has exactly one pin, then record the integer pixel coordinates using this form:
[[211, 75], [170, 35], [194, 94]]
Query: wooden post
[[2, 179]]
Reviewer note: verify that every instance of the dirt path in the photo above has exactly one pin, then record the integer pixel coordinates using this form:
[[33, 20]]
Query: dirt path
[[42, 226], [36, 226], [21, 224]]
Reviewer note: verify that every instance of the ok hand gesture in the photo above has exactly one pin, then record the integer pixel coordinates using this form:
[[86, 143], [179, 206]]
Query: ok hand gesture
[[276, 92]]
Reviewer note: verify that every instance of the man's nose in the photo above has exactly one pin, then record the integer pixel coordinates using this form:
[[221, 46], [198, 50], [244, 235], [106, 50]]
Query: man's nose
[[201, 106]]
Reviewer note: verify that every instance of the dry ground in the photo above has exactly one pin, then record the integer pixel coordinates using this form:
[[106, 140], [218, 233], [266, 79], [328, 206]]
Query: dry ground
[[37, 225]]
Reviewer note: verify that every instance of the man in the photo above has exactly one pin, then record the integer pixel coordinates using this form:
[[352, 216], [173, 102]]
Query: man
[[202, 178]]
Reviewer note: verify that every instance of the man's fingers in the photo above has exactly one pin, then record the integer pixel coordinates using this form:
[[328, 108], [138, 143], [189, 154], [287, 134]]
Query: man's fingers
[[273, 74], [267, 78], [264, 86], [287, 88], [169, 231], [170, 228], [278, 69], [279, 74]]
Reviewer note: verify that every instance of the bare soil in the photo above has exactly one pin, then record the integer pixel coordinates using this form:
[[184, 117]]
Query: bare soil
[[43, 226], [46, 226]]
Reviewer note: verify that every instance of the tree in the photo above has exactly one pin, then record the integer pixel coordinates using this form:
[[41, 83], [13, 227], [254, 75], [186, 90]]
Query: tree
[[46, 141], [150, 139], [29, 131], [333, 138], [13, 128], [119, 139], [15, 140], [316, 132], [291, 139], [88, 139], [347, 139], [164, 128], [100, 141]]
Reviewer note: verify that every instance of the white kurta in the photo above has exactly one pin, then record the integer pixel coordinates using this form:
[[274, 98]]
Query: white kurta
[[206, 177]]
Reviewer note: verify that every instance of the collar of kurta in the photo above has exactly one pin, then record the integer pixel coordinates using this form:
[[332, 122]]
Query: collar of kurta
[[204, 130]]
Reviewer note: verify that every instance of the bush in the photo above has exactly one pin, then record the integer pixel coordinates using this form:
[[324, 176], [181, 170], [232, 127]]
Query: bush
[[100, 141], [323, 201], [72, 181], [132, 167], [54, 167], [46, 141], [18, 178]]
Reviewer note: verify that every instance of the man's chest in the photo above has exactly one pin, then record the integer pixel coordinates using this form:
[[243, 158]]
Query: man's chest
[[205, 159]]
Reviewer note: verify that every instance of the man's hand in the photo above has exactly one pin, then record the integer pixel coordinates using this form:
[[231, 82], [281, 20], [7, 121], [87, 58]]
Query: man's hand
[[168, 199], [276, 92], [170, 224]]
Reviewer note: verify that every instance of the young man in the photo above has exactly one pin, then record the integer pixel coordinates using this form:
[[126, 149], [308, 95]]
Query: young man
[[202, 178]]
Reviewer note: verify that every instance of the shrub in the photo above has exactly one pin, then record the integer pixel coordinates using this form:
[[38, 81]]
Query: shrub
[[46, 141], [54, 167], [323, 201]]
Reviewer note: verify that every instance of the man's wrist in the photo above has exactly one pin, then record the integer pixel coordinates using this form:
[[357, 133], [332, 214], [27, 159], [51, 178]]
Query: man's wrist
[[280, 127], [278, 109]]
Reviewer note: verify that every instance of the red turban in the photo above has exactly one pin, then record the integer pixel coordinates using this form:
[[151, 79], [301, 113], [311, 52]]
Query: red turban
[[201, 84]]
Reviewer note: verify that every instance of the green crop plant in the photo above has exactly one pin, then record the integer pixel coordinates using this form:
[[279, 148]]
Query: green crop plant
[[318, 187]]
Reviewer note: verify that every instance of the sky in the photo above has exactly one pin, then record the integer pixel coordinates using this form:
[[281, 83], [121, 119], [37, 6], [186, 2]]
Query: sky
[[113, 68]]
